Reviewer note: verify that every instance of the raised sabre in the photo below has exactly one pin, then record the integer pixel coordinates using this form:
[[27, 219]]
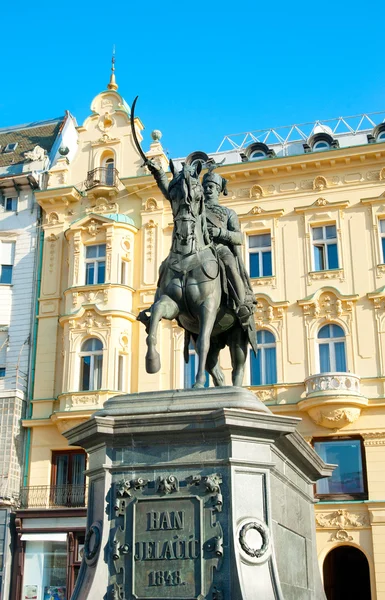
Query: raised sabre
[[138, 147]]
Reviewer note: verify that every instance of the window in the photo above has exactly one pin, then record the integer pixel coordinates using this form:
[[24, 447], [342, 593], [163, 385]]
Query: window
[[121, 372], [124, 273], [3, 352], [191, 368], [257, 155], [110, 168], [381, 137], [331, 346], [91, 357], [11, 204], [7, 255], [95, 264], [263, 367], [382, 237], [321, 145], [10, 147], [349, 477], [260, 264], [68, 479], [325, 248]]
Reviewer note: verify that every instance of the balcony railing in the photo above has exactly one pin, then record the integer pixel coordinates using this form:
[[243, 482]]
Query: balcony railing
[[344, 383], [102, 176], [53, 496]]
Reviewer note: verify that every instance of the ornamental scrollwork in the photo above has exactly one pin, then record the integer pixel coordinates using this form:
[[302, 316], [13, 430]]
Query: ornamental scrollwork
[[341, 519], [167, 485]]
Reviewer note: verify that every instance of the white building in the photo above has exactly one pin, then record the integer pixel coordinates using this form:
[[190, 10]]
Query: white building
[[26, 153]]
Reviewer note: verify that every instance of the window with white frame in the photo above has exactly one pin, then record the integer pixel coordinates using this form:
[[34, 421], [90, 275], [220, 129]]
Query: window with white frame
[[331, 349], [382, 238], [91, 365], [321, 145], [121, 372], [3, 352], [191, 369], [263, 367], [10, 204], [7, 257], [95, 264], [260, 264], [325, 249], [124, 272]]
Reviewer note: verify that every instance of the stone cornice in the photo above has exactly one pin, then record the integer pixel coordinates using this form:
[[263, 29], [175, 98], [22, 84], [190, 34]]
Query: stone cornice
[[61, 196], [375, 200]]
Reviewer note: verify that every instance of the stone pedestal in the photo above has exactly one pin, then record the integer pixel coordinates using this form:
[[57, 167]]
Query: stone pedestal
[[198, 494]]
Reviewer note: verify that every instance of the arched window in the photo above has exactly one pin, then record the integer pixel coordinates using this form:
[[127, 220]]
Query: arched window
[[263, 367], [191, 368], [257, 155], [91, 364], [381, 137], [331, 346], [321, 145]]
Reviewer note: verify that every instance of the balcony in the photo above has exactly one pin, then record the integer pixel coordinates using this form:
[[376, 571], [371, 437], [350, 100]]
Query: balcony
[[53, 496], [333, 400], [103, 178]]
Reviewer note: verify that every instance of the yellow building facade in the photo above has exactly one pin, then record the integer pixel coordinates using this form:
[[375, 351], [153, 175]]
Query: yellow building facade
[[314, 224]]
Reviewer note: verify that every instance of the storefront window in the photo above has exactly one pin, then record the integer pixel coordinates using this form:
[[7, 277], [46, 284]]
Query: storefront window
[[45, 569]]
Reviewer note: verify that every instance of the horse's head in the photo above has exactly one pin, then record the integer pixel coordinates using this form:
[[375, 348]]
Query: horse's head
[[185, 186], [186, 194]]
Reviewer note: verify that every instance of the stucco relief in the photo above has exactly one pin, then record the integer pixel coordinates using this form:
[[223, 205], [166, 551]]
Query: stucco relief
[[320, 183], [332, 417], [266, 395], [267, 311], [374, 438], [90, 321], [342, 519], [151, 204], [256, 191], [103, 206], [327, 305]]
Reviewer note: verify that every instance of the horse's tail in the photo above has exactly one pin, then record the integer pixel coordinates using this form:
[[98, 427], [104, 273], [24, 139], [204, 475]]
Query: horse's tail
[[186, 354]]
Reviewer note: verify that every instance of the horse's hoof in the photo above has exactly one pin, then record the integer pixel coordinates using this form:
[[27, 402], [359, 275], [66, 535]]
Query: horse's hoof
[[198, 386], [153, 363]]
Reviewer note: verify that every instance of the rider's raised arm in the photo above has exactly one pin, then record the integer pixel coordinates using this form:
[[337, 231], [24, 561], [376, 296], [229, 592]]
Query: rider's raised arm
[[160, 177]]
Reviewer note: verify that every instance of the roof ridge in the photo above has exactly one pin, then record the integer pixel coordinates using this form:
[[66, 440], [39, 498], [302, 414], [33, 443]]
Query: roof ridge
[[32, 125]]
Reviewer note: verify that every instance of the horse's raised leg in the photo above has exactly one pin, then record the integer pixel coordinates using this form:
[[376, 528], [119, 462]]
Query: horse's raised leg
[[212, 365], [238, 352], [207, 316], [164, 308]]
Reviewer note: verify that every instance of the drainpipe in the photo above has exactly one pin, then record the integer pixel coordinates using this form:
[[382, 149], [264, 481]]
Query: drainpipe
[[39, 253]]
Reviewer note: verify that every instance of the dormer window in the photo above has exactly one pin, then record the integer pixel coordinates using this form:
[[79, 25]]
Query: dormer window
[[197, 157], [377, 135], [11, 147], [257, 155], [321, 145], [257, 151]]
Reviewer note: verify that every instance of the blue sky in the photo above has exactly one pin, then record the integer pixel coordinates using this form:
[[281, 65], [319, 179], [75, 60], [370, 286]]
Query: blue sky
[[202, 70]]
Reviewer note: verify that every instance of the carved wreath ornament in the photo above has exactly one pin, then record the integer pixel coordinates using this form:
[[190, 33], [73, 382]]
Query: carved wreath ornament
[[263, 531]]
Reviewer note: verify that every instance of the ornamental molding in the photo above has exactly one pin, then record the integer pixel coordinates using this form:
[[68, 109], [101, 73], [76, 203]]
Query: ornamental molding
[[268, 311], [85, 400], [256, 191], [257, 212], [103, 205], [320, 183], [150, 205], [322, 204], [333, 274], [374, 438], [87, 320], [378, 297], [342, 519], [267, 395], [327, 303]]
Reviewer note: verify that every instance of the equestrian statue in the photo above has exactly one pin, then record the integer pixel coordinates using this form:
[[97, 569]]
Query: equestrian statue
[[203, 283]]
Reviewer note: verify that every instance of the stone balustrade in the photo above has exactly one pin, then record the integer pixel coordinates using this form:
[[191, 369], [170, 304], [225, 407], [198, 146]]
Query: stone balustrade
[[346, 383]]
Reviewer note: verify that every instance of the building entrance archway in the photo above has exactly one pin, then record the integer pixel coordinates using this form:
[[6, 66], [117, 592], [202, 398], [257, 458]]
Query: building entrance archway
[[346, 574]]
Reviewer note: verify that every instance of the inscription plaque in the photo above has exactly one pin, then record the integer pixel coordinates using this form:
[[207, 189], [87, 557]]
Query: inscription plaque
[[167, 548], [166, 539]]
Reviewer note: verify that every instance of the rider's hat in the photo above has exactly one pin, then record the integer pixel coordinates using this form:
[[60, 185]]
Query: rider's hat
[[215, 178]]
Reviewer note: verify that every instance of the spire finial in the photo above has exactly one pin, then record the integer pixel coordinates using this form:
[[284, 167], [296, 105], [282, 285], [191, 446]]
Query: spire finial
[[113, 85]]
